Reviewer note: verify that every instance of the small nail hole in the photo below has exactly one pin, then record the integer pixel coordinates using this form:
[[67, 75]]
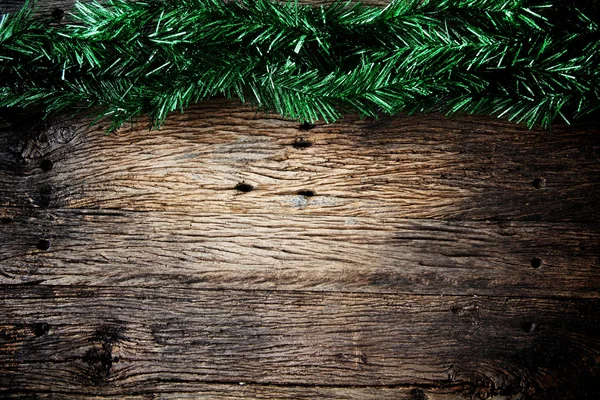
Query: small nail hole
[[455, 309], [536, 262], [116, 359], [529, 327], [306, 193], [306, 126], [40, 329], [58, 14], [46, 165], [539, 183], [43, 244], [301, 144], [243, 187]]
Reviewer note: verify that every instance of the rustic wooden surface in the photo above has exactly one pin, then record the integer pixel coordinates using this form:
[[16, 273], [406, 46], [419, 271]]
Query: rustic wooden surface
[[231, 255], [410, 167], [131, 340], [317, 253]]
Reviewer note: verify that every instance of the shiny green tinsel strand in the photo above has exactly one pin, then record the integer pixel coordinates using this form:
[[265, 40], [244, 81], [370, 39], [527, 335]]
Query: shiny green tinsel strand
[[530, 61]]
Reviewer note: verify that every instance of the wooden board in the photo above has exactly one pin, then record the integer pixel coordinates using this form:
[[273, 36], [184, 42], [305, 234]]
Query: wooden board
[[158, 249], [409, 167], [272, 392], [109, 341], [231, 255]]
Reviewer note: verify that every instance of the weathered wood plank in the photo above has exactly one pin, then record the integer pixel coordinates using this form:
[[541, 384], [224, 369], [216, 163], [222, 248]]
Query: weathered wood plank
[[412, 167], [108, 341], [273, 392], [156, 249]]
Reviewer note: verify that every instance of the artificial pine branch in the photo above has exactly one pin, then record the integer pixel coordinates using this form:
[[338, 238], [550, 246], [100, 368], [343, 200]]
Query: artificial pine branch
[[526, 60]]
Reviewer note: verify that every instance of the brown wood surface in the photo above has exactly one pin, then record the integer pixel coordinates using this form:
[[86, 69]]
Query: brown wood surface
[[144, 232], [232, 255], [271, 392], [410, 167], [133, 341], [158, 249]]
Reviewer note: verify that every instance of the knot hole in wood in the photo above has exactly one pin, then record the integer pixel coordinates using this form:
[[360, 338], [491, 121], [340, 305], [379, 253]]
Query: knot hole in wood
[[40, 329], [536, 262], [301, 144], [244, 187]]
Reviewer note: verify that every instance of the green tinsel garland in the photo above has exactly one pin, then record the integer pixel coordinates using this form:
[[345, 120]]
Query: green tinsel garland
[[526, 60]]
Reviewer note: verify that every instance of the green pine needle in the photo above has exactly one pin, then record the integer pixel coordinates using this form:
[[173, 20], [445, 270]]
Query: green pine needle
[[530, 61]]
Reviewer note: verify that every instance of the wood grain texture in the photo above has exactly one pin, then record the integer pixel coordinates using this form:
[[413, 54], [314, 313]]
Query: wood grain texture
[[129, 341], [410, 167], [158, 249], [274, 392], [231, 255]]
